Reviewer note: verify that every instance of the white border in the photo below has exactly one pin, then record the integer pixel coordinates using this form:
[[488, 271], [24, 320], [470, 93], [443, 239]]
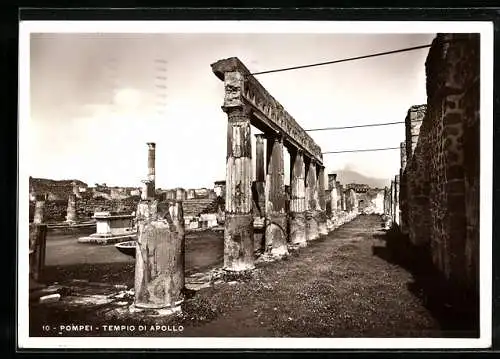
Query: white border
[[302, 27]]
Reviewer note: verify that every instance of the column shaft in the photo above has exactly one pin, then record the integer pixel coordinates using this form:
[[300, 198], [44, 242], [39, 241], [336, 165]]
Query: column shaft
[[238, 231], [396, 199], [260, 177], [37, 247], [312, 204], [322, 227], [71, 209], [298, 201], [159, 265], [151, 184], [276, 219]]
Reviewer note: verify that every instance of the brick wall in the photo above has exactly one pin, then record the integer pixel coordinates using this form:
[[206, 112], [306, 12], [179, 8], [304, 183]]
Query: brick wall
[[442, 169]]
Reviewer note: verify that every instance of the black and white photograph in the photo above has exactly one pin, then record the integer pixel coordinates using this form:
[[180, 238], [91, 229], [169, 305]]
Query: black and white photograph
[[255, 184]]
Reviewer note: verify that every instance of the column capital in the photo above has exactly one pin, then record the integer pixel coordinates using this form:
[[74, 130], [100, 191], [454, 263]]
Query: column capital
[[244, 109]]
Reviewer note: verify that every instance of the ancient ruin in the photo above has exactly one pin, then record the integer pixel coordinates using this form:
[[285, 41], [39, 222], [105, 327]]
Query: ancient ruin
[[438, 193], [247, 103], [159, 268]]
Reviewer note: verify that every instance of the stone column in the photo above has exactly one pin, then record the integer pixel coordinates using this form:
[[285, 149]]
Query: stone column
[[393, 200], [76, 190], [238, 231], [39, 214], [343, 203], [332, 185], [260, 175], [190, 194], [339, 196], [151, 169], [298, 201], [312, 205], [37, 246], [276, 219], [159, 264], [386, 201], [322, 227], [71, 209]]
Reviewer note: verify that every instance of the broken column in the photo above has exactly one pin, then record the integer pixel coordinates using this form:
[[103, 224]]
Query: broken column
[[71, 209], [151, 169], [159, 264], [312, 205], [298, 201], [276, 219], [260, 176], [322, 227], [76, 189], [37, 245], [39, 214]]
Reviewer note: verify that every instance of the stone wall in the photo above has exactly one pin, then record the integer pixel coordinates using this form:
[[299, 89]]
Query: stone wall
[[55, 211], [442, 153]]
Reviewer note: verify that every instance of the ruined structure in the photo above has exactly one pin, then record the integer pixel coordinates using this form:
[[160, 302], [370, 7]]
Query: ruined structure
[[39, 209], [71, 209], [159, 265], [439, 198], [248, 103]]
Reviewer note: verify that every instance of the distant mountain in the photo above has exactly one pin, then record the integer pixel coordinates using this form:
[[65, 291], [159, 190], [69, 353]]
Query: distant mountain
[[349, 176]]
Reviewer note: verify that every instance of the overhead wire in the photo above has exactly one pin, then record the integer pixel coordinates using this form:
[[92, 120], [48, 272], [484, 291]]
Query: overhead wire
[[413, 48], [355, 126], [363, 150], [406, 49]]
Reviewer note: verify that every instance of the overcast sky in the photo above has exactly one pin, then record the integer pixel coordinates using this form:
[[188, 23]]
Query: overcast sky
[[95, 101]]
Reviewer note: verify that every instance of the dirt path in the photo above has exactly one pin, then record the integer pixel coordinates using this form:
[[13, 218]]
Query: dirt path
[[336, 287]]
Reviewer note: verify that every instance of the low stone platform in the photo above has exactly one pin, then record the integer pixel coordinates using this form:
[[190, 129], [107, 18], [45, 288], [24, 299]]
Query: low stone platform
[[108, 239]]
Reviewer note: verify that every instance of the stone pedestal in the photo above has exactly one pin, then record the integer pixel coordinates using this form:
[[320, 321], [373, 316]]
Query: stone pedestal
[[159, 269]]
